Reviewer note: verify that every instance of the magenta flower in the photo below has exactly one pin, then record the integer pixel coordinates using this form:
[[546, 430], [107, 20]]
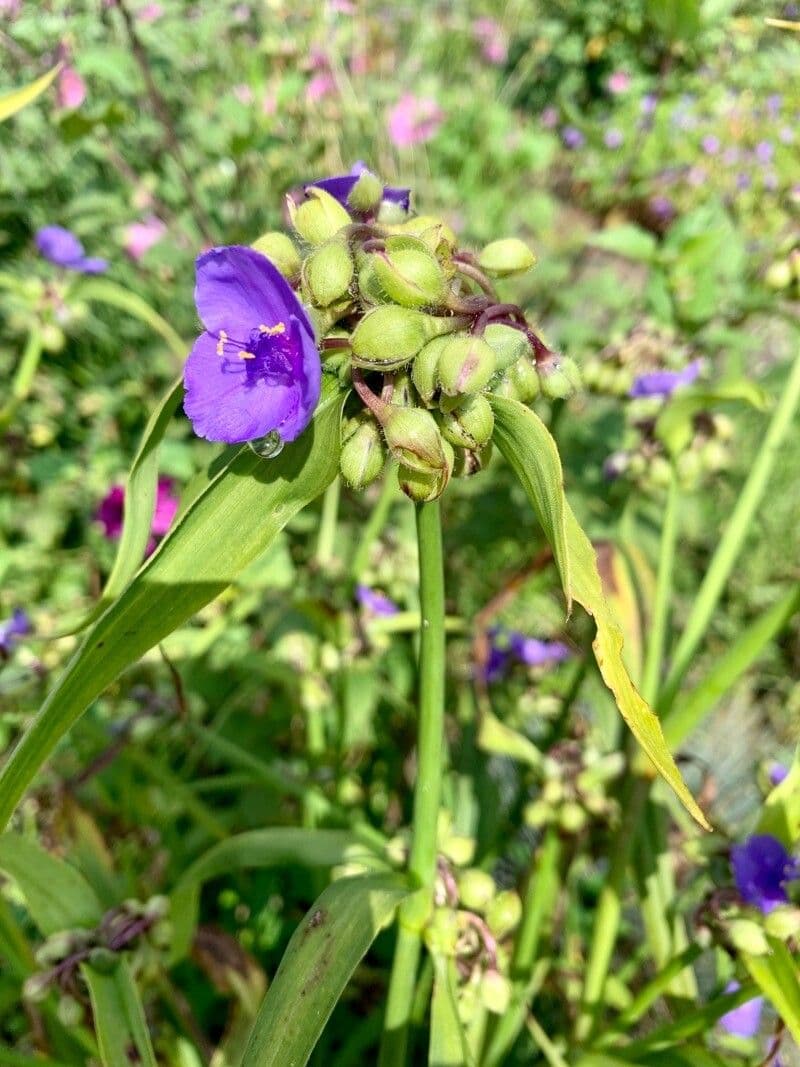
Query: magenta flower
[[256, 368], [150, 12], [374, 602], [745, 1020], [492, 39], [619, 82], [662, 207], [414, 120], [664, 382], [320, 86], [11, 630], [549, 118], [71, 89], [63, 248], [764, 152], [111, 512], [141, 236], [761, 869], [342, 185]]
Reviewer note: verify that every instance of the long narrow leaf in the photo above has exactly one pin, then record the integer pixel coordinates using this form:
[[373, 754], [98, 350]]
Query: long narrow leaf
[[778, 977], [119, 1018], [17, 99], [107, 292]]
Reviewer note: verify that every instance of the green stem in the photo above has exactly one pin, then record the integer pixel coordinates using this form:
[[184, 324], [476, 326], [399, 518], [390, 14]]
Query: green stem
[[375, 523], [733, 539], [23, 379], [540, 897], [327, 524], [428, 788], [657, 637]]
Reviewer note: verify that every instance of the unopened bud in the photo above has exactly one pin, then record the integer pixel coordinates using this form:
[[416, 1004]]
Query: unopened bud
[[36, 988], [389, 337], [495, 992], [537, 814], [404, 395], [470, 425], [328, 272], [469, 462], [362, 456], [571, 817], [466, 364], [53, 339], [508, 256], [281, 251], [69, 1012], [475, 889], [779, 275], [559, 377], [104, 960], [504, 913], [391, 213], [411, 277], [414, 439], [508, 344], [369, 286], [56, 948], [783, 922], [748, 936], [435, 233], [319, 218], [366, 194], [441, 933], [419, 487], [425, 369], [524, 380]]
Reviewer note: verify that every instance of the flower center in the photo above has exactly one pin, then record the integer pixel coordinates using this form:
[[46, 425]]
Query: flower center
[[267, 358]]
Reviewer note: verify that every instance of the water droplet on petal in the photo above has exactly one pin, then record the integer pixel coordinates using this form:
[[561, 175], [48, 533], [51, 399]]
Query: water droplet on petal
[[269, 446]]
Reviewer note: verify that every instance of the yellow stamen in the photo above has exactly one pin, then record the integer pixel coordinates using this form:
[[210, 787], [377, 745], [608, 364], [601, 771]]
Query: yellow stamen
[[223, 337], [247, 355], [272, 331]]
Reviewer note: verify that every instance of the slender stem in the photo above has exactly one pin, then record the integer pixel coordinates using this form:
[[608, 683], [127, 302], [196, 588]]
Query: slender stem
[[657, 637], [545, 1045], [375, 523], [327, 524], [540, 896], [733, 539], [428, 788]]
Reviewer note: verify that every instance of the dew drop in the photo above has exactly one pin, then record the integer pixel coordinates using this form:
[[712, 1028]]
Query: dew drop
[[269, 446]]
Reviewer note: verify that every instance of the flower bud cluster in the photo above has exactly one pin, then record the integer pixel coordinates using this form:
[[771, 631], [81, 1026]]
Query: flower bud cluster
[[574, 788], [415, 324]]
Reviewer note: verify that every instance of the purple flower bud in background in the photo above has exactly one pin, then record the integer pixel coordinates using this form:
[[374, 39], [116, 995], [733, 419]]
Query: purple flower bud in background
[[613, 138], [375, 603], [572, 137], [150, 13], [743, 180], [321, 85], [764, 152], [664, 382], [491, 36], [140, 237], [111, 511], [774, 103], [256, 369], [777, 773], [745, 1020], [549, 118], [648, 103], [535, 653], [731, 155], [63, 248], [662, 207], [340, 187], [710, 144], [70, 89], [11, 630], [761, 869]]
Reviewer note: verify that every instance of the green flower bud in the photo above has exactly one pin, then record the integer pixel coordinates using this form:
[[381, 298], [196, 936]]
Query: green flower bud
[[783, 922], [53, 339], [362, 456], [469, 462], [714, 456], [281, 251], [441, 933], [404, 395], [458, 849], [327, 273], [366, 194], [524, 380], [537, 814], [495, 992], [659, 472], [690, 468], [369, 286], [319, 217], [572, 818], [508, 256], [504, 913], [425, 369], [435, 233], [559, 377], [56, 948], [389, 337], [69, 1011], [748, 936], [104, 960], [508, 344], [553, 791], [470, 425], [391, 213], [156, 907], [475, 889], [414, 439], [466, 364], [324, 319], [422, 488], [36, 988], [779, 275], [411, 277]]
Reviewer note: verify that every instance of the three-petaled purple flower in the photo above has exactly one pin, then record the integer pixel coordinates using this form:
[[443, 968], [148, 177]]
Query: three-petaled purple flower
[[509, 645], [664, 382], [63, 248], [341, 186], [111, 511], [374, 602], [256, 369], [761, 869], [12, 630]]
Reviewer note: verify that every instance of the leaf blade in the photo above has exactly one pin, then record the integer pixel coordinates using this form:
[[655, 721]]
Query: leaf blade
[[17, 99]]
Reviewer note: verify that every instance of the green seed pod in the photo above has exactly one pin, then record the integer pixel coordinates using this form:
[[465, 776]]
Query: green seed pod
[[475, 889], [559, 377], [327, 273], [389, 337], [425, 368], [572, 818], [366, 194], [369, 286], [36, 988], [659, 472], [466, 364], [432, 231], [714, 456], [508, 256], [319, 218], [391, 213], [53, 339], [537, 814], [411, 277], [103, 960], [69, 1011], [504, 913], [690, 469], [281, 251], [414, 439], [495, 991], [470, 425], [525, 381], [508, 344], [783, 922], [748, 936], [363, 454], [421, 488]]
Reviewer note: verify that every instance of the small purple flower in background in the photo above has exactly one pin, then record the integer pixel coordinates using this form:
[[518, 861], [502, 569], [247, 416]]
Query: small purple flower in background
[[764, 152], [777, 773], [572, 137], [774, 103], [71, 89], [786, 135], [375, 603], [648, 103], [613, 138], [141, 236], [63, 248], [414, 120], [697, 176], [12, 630], [664, 382], [508, 645], [743, 181], [111, 511], [731, 155], [340, 187], [320, 86], [492, 39], [662, 207], [710, 144], [256, 369], [619, 82], [745, 1020], [549, 118], [761, 869]]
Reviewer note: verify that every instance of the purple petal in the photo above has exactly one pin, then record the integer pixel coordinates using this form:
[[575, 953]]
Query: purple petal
[[374, 602], [12, 629], [745, 1020], [534, 653], [664, 382], [761, 867], [110, 511], [777, 773], [239, 289], [340, 186], [165, 509], [90, 265], [59, 245]]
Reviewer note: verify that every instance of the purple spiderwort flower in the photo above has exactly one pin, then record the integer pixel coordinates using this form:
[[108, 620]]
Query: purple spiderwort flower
[[761, 869], [744, 1021], [63, 248], [619, 82], [764, 152], [375, 602], [777, 773], [664, 382], [12, 630], [710, 144], [111, 511], [662, 207], [256, 368], [572, 137], [743, 181], [507, 645], [340, 187]]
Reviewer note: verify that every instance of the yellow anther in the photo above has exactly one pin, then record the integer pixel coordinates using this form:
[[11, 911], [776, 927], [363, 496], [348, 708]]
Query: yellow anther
[[247, 355], [223, 337], [272, 331]]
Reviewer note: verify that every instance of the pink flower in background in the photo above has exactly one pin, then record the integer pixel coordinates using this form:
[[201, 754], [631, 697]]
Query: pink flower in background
[[111, 511], [619, 82], [492, 39], [11, 8], [71, 89], [150, 12], [269, 103], [549, 118], [359, 64], [141, 236], [320, 86], [343, 7], [243, 93], [414, 120]]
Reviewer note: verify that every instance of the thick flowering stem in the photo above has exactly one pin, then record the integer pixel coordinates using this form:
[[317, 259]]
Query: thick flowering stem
[[428, 789]]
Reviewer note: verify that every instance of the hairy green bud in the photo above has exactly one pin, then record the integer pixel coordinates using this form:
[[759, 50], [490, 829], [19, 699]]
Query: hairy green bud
[[36, 988], [508, 344], [319, 218], [366, 194], [476, 889], [411, 277], [362, 456], [504, 913], [559, 377], [507, 256], [327, 273], [414, 439], [104, 960], [442, 932], [69, 1011], [422, 488], [470, 425], [389, 337], [748, 936], [435, 233], [369, 286], [425, 369], [495, 992], [466, 364], [469, 462], [281, 251], [783, 922]]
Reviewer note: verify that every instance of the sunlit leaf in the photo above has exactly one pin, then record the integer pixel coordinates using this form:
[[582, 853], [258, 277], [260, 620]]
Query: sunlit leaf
[[778, 977], [17, 99], [675, 425]]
